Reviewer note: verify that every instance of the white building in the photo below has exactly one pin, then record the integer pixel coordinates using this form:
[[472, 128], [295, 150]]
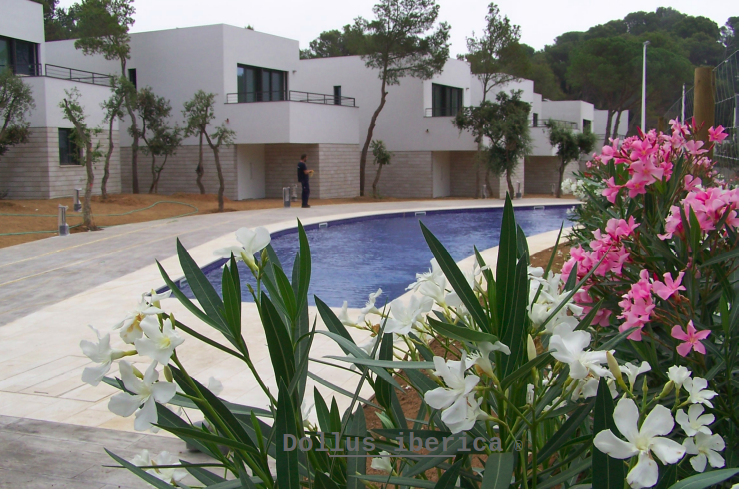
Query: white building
[[279, 107], [48, 166]]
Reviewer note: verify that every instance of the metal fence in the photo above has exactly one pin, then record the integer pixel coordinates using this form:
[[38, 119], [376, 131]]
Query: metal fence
[[291, 95], [726, 97]]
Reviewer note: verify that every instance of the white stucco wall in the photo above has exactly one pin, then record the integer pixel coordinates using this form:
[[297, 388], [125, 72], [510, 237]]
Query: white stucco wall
[[441, 174], [567, 110], [22, 19], [49, 92], [250, 169]]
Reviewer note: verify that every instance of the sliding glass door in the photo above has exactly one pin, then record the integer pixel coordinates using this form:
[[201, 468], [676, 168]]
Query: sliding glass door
[[260, 84]]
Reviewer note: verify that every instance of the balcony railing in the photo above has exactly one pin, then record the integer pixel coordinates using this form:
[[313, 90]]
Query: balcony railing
[[60, 72], [82, 76], [543, 123], [442, 112], [291, 96]]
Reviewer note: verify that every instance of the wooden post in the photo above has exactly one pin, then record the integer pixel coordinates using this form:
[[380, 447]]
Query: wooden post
[[660, 124], [704, 104]]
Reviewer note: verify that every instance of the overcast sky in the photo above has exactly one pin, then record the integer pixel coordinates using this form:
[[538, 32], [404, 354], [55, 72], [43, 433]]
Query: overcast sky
[[541, 21]]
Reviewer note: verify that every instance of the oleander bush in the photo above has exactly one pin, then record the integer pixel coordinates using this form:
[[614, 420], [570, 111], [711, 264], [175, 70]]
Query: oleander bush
[[527, 378]]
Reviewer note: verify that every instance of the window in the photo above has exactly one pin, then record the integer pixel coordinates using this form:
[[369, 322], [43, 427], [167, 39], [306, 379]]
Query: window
[[337, 95], [132, 76], [445, 101], [20, 56], [260, 84], [69, 152], [535, 120], [586, 125]]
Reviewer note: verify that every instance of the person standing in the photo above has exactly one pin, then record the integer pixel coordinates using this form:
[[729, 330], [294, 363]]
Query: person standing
[[303, 177]]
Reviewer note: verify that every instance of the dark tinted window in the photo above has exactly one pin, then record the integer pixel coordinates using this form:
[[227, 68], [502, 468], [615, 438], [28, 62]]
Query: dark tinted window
[[445, 101], [69, 153], [256, 84]]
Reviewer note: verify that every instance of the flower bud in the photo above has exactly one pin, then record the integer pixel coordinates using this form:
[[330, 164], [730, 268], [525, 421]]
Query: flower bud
[[667, 389], [168, 373], [615, 370], [530, 347]]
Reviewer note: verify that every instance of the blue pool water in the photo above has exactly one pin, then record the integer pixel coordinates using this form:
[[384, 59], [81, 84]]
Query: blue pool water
[[350, 260]]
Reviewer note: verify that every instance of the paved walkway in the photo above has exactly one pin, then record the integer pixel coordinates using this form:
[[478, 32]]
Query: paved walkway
[[50, 290]]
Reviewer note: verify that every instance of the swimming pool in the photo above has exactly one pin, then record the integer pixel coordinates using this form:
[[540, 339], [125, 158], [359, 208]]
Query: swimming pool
[[354, 257]]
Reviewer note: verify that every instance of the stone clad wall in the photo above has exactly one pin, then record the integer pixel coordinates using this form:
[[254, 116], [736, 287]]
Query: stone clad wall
[[32, 170], [339, 175], [179, 172], [409, 175], [281, 168], [541, 173], [462, 173]]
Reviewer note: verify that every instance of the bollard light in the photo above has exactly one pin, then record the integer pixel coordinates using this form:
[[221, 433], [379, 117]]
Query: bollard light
[[286, 196], [518, 190], [294, 193], [553, 192], [77, 205], [484, 191], [63, 226]]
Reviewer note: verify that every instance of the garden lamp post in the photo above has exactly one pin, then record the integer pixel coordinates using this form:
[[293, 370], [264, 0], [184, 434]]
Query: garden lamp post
[[644, 88]]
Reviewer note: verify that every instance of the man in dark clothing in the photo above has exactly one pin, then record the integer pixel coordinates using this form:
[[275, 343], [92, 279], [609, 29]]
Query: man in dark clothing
[[303, 176]]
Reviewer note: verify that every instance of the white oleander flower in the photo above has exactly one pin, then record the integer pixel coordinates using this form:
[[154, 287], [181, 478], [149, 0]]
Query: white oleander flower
[[588, 388], [382, 463], [568, 347], [705, 448], [100, 353], [644, 441], [433, 275], [462, 415], [155, 299], [145, 394], [158, 345], [369, 307], [452, 372], [130, 329], [529, 393], [215, 386], [168, 475], [306, 410], [695, 421], [482, 358], [344, 316], [633, 371], [697, 392], [405, 316], [252, 242], [678, 375]]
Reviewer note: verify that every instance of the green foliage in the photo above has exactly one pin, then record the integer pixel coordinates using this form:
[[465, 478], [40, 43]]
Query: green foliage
[[380, 153], [16, 102], [161, 139], [349, 41], [59, 23], [103, 27], [403, 40], [570, 145], [490, 53], [505, 125]]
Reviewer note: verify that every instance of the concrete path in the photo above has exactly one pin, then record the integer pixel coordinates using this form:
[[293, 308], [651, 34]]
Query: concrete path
[[50, 290]]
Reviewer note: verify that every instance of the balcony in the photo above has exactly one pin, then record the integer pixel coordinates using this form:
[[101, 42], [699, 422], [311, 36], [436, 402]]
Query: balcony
[[61, 73], [289, 96]]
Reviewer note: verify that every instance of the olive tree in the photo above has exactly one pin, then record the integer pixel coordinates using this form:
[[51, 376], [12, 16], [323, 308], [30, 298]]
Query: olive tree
[[162, 140], [382, 157], [16, 102], [199, 113], [103, 27], [570, 145], [402, 40], [113, 108], [82, 136], [504, 126]]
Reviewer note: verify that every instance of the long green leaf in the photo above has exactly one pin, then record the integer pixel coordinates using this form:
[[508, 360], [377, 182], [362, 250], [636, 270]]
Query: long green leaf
[[384, 363], [340, 390], [356, 465], [608, 473], [505, 274], [498, 471], [449, 478], [700, 481], [460, 333], [288, 473], [516, 320], [525, 370], [353, 349], [278, 342], [305, 268], [398, 481], [231, 303], [201, 288], [564, 433], [456, 279]]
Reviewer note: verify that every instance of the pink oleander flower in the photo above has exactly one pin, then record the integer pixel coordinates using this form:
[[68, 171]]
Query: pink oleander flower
[[716, 134], [692, 339], [691, 183], [611, 191], [694, 148], [637, 185], [619, 228], [669, 287]]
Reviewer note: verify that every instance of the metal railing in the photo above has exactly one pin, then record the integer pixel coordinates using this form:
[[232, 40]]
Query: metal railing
[[543, 123], [61, 73], [290, 96], [31, 69], [82, 76]]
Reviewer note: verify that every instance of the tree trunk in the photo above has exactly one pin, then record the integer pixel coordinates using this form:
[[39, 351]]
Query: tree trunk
[[86, 206], [487, 182], [608, 126], [106, 168], [477, 164], [134, 148], [221, 183], [154, 175], [155, 181], [370, 129], [558, 190], [618, 121], [200, 170], [375, 193], [511, 192]]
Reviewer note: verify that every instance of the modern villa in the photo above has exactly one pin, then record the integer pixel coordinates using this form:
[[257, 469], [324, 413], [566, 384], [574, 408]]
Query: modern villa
[[279, 107]]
